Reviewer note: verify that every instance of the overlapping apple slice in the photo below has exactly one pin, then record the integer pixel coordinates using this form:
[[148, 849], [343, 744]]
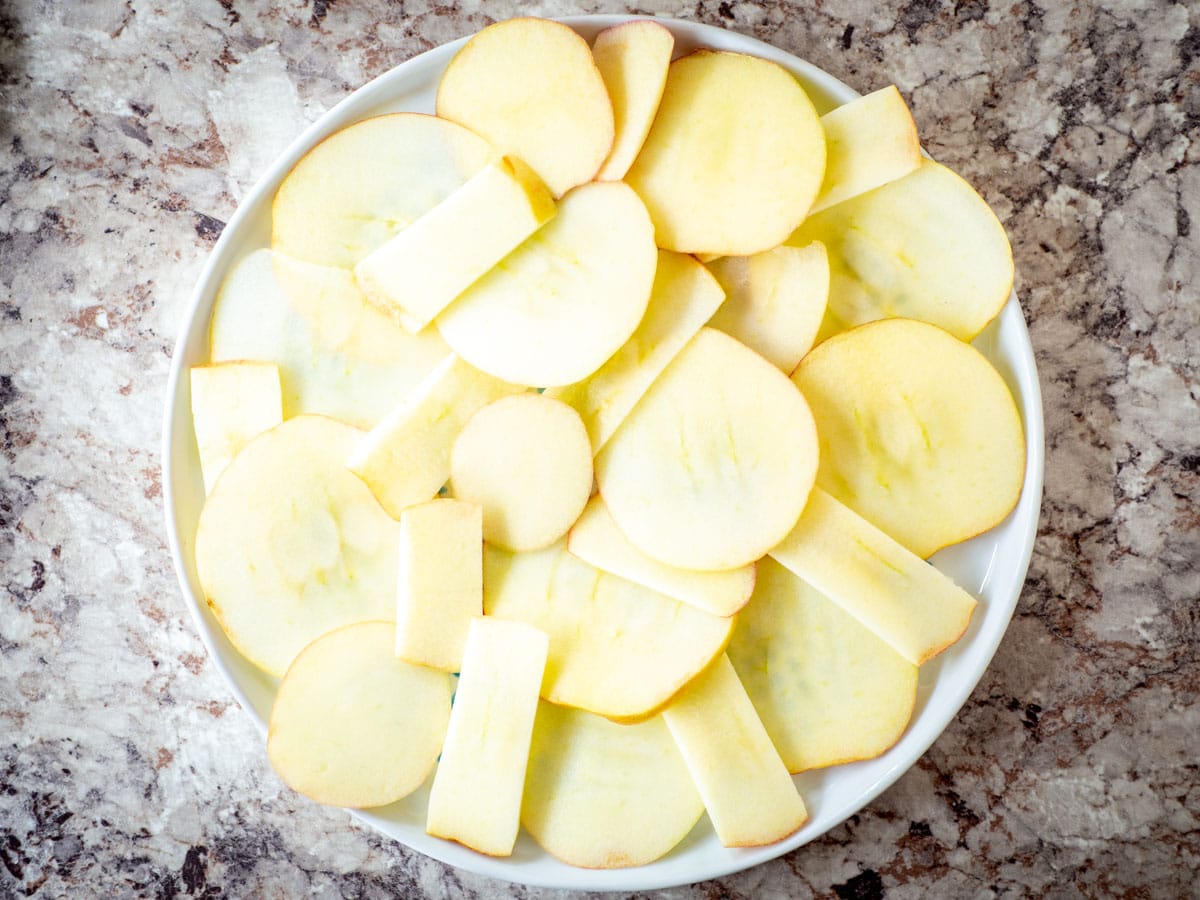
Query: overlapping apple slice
[[231, 404]]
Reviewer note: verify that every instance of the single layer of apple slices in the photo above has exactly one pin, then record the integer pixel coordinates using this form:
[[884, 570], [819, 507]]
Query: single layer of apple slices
[[291, 545], [774, 301], [531, 88], [616, 648], [750, 797], [602, 795], [924, 247], [232, 403], [919, 434], [827, 689], [354, 726]]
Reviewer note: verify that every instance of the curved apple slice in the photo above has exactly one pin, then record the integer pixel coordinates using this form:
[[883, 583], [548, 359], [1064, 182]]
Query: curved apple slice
[[231, 404]]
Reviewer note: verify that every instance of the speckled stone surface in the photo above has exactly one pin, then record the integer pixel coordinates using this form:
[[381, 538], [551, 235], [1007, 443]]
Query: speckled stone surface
[[128, 132]]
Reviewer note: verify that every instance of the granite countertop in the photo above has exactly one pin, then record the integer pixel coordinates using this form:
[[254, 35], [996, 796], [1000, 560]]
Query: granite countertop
[[128, 133]]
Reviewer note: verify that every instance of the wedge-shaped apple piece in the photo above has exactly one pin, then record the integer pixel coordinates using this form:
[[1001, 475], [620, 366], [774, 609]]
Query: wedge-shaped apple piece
[[363, 185], [919, 434], [476, 796], [774, 301], [602, 795], [232, 403], [291, 545], [527, 462], [683, 298], [869, 142], [616, 648], [827, 689], [924, 247], [416, 274], [750, 797], [734, 158], [632, 58], [531, 88], [354, 726], [597, 540], [562, 303], [337, 355], [896, 594], [405, 459], [713, 466]]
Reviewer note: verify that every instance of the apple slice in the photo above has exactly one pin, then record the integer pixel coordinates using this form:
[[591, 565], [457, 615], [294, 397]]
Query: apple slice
[[632, 58], [827, 689], [713, 466], [919, 434], [291, 545], [563, 302], [597, 540], [734, 158], [527, 462], [531, 88], [683, 298], [476, 795], [750, 797], [896, 594], [232, 403], [602, 795], [354, 726], [774, 301]]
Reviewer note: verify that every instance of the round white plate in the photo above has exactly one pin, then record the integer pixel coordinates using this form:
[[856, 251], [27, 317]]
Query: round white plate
[[991, 566]]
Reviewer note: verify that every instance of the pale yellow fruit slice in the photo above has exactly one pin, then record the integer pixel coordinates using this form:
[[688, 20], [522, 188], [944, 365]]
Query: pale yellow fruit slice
[[734, 158], [750, 797], [405, 459], [480, 779], [416, 274], [774, 301], [827, 689], [531, 88], [869, 142], [899, 596], [602, 795], [354, 726], [682, 300], [291, 545], [364, 184], [919, 433], [563, 302], [924, 247], [713, 466], [616, 648], [632, 58], [440, 583], [597, 540], [232, 403], [527, 462]]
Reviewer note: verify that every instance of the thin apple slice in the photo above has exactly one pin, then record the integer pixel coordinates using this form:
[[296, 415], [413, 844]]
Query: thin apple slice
[[632, 58], [232, 403], [602, 795], [291, 545], [750, 797], [734, 158], [683, 298], [476, 795], [597, 540], [896, 594], [563, 302], [354, 726], [531, 88], [919, 433], [713, 466], [774, 301], [827, 689]]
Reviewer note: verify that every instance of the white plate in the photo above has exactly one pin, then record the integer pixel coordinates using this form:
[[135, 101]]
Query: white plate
[[991, 566]]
